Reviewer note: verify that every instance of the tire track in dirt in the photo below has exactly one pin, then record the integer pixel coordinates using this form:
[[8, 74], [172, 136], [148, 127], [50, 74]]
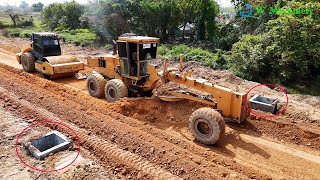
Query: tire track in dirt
[[97, 108], [104, 148], [165, 154]]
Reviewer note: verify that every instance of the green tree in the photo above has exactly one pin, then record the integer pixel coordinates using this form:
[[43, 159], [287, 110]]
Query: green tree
[[207, 10], [66, 15], [188, 8], [154, 17], [24, 5], [286, 51], [37, 7], [109, 19]]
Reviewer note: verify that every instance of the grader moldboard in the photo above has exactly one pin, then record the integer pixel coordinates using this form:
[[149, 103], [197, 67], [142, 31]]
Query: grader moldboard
[[44, 55], [131, 73]]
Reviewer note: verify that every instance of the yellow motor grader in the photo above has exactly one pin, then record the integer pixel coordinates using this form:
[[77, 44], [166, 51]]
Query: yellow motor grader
[[130, 73], [44, 55]]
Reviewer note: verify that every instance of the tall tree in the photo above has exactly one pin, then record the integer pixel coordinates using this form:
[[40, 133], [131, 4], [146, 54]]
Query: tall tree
[[24, 5], [37, 7], [66, 15], [188, 8], [207, 10]]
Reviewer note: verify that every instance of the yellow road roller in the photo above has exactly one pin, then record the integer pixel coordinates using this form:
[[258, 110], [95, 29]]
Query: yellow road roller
[[43, 54]]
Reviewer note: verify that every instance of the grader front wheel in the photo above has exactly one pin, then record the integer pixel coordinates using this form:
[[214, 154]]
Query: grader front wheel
[[207, 125], [95, 85], [115, 89]]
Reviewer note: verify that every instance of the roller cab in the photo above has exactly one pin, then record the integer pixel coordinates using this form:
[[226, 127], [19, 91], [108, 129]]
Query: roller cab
[[43, 54]]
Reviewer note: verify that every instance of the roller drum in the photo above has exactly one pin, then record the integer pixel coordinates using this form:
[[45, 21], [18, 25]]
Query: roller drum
[[60, 59]]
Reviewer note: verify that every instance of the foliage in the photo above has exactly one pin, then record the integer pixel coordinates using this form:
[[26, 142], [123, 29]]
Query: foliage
[[111, 18], [37, 7], [24, 5], [82, 37], [19, 32], [2, 25], [11, 32], [206, 57], [25, 33], [108, 18], [65, 14], [205, 21], [22, 22], [287, 51]]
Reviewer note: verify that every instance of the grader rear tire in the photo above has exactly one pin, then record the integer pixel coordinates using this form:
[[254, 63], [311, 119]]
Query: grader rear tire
[[28, 62], [115, 89], [207, 125], [95, 85]]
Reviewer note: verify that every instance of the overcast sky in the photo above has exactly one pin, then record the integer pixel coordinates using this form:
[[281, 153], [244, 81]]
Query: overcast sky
[[223, 3]]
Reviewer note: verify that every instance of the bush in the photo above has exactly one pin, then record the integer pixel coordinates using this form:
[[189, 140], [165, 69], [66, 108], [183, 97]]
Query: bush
[[11, 32], [63, 14], [59, 29], [287, 51], [108, 46], [25, 23], [25, 34], [82, 37], [206, 57], [2, 25]]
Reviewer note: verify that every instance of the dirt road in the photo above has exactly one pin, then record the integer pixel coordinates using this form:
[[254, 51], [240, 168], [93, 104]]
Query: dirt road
[[146, 138]]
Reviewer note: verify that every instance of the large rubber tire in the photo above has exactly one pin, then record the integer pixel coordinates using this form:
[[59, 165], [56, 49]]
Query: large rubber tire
[[28, 62], [207, 125], [115, 89], [95, 85]]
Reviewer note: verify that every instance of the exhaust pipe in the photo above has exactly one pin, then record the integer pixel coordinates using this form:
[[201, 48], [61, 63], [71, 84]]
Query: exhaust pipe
[[114, 44]]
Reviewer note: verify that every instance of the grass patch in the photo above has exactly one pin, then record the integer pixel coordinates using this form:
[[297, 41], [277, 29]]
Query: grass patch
[[206, 57], [79, 37], [20, 32]]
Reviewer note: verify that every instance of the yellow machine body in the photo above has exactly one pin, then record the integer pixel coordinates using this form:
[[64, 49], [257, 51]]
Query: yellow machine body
[[59, 66], [54, 66], [227, 102]]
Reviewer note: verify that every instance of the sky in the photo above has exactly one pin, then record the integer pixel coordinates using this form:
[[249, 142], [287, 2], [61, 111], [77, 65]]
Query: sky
[[223, 3]]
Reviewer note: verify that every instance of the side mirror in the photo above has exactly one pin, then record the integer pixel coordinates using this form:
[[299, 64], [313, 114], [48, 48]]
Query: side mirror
[[35, 40]]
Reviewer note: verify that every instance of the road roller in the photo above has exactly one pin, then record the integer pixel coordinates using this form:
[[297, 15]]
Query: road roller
[[43, 54]]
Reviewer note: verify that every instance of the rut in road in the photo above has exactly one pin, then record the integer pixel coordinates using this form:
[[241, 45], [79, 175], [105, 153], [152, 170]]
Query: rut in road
[[103, 147], [177, 150], [165, 154]]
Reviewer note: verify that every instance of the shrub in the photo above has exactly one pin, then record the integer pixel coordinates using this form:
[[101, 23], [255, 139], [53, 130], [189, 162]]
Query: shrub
[[82, 37], [2, 25], [12, 32], [25, 23], [59, 29], [26, 34], [108, 46], [286, 51], [206, 57]]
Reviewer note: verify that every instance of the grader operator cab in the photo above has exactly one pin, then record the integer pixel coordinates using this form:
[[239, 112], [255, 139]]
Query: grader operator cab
[[44, 55]]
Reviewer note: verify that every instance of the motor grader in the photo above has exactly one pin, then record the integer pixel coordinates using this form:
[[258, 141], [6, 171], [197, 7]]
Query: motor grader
[[130, 73], [43, 54]]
